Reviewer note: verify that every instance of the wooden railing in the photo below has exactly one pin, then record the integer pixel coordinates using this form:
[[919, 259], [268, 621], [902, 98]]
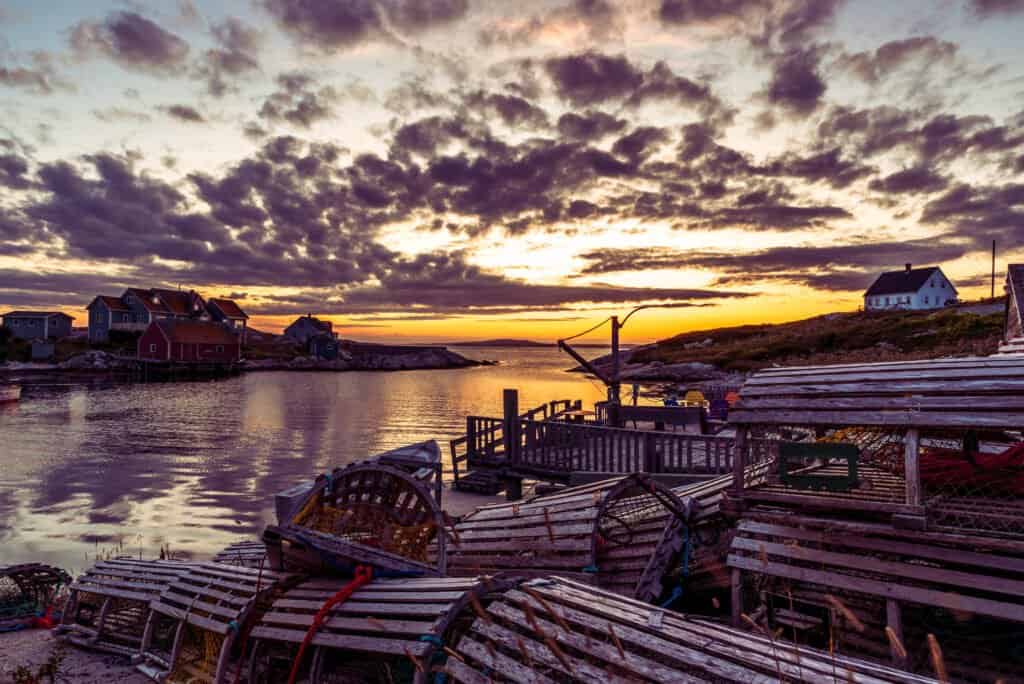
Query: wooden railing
[[483, 443], [556, 447]]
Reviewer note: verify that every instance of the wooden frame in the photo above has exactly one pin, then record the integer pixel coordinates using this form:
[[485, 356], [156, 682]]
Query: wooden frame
[[247, 554], [363, 502], [558, 630], [793, 471], [108, 607], [212, 602], [611, 533], [882, 572], [32, 585], [403, 622]]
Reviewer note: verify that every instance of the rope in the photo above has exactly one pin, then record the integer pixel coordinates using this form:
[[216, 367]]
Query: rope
[[589, 330], [363, 576]]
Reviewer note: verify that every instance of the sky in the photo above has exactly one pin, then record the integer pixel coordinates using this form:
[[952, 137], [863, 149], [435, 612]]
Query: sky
[[440, 170]]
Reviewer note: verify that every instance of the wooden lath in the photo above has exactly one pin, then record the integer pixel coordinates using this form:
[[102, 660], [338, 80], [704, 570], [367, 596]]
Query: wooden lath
[[109, 604], [608, 533], [248, 554], [558, 630], [365, 513], [195, 622], [397, 624], [976, 392], [824, 577]]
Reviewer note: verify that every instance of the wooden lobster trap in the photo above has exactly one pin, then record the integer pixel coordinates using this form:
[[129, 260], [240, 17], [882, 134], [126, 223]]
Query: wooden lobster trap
[[196, 622], [364, 514], [389, 630], [26, 589], [865, 587], [557, 630], [607, 533], [109, 605], [247, 554]]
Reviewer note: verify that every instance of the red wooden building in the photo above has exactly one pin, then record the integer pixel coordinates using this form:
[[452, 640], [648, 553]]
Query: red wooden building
[[189, 341]]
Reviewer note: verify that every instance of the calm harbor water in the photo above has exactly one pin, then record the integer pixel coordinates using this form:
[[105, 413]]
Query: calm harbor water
[[100, 467]]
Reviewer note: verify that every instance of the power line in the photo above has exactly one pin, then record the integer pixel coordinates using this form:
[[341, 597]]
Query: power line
[[589, 330]]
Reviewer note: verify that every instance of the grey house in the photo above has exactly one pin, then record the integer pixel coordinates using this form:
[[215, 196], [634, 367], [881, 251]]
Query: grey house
[[304, 328], [29, 325]]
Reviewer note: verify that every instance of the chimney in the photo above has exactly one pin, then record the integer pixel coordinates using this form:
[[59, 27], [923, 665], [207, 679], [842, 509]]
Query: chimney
[[908, 267]]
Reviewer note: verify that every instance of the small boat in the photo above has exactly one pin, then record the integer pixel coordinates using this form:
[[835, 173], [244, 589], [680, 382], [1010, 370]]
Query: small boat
[[9, 393]]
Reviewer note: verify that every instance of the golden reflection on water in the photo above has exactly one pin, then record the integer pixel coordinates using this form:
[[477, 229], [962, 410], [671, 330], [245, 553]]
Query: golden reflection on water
[[107, 468]]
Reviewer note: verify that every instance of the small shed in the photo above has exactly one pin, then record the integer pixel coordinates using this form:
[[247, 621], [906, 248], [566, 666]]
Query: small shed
[[559, 630], [189, 341]]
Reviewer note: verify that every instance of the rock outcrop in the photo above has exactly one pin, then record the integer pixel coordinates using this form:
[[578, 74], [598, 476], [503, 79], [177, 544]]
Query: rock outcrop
[[95, 360]]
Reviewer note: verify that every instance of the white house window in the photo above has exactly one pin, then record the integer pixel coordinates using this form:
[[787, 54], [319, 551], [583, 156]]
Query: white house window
[[152, 349]]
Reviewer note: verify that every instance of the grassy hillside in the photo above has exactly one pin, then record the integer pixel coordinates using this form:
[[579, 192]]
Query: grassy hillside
[[836, 338]]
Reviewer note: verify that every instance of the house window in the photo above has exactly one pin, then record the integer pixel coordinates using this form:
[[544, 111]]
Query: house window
[[886, 301], [220, 347], [926, 299], [152, 349], [943, 284]]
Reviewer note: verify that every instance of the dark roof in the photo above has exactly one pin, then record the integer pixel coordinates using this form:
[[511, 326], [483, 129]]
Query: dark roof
[[228, 308], [147, 297], [195, 332], [900, 282], [326, 326], [35, 314], [113, 303]]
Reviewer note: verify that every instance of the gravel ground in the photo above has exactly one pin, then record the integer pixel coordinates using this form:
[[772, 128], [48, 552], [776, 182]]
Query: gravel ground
[[33, 648]]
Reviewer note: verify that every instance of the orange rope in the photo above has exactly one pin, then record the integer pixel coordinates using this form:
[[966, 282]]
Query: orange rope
[[363, 576]]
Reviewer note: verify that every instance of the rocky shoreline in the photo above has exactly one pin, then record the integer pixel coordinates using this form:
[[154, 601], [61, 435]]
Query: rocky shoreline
[[361, 358], [692, 372]]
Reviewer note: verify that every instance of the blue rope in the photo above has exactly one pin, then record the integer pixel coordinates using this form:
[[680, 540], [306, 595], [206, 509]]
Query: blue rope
[[677, 592], [233, 626], [437, 655], [591, 568]]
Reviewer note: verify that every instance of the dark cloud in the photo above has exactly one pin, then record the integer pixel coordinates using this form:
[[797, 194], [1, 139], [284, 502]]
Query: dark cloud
[[829, 166], [298, 101], [796, 85], [830, 267], [185, 113], [14, 172], [601, 20], [769, 26], [590, 125], [991, 8], [511, 109], [873, 66], [132, 41], [330, 25], [640, 143], [914, 180], [237, 54], [38, 74], [981, 213]]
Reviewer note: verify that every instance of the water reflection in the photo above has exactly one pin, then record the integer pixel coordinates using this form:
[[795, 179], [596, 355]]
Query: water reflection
[[104, 467]]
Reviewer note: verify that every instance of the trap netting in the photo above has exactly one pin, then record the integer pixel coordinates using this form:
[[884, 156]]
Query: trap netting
[[973, 480]]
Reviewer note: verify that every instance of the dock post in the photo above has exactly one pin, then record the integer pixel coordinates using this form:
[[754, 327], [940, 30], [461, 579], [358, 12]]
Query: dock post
[[470, 441], [912, 470], [739, 457], [510, 437]]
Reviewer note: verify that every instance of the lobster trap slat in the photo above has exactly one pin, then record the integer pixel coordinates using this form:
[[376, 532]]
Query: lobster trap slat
[[601, 533], [248, 554], [558, 630], [108, 606], [195, 622], [388, 625]]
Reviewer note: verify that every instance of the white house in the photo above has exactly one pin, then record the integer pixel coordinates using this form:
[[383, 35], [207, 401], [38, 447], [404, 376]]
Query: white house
[[1013, 335], [911, 288]]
